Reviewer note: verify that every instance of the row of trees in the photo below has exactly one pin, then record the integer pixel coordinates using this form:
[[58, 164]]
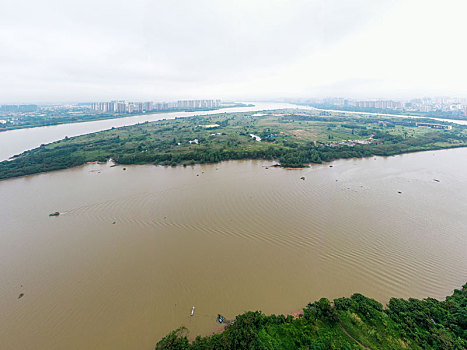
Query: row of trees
[[297, 156], [290, 154]]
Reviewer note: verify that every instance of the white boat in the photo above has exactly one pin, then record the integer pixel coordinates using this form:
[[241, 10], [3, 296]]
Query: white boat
[[192, 311]]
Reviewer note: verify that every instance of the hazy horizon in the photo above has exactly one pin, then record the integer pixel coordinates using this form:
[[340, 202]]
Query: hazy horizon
[[232, 100], [81, 51]]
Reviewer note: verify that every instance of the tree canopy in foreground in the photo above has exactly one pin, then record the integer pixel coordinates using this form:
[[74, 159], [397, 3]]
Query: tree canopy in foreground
[[357, 322]]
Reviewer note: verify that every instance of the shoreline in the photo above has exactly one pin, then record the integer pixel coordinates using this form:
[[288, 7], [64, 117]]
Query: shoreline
[[138, 144], [119, 116], [355, 313], [440, 118], [461, 121], [115, 164], [295, 314]]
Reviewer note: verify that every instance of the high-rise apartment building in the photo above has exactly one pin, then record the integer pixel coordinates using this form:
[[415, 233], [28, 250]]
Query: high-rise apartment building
[[132, 107]]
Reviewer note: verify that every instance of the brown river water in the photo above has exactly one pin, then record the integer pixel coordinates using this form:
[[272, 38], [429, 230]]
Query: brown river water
[[134, 250]]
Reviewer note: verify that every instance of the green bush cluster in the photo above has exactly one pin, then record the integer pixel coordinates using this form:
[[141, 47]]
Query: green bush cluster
[[357, 322]]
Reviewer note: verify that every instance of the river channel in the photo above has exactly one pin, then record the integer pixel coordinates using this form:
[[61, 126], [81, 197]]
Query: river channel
[[135, 249]]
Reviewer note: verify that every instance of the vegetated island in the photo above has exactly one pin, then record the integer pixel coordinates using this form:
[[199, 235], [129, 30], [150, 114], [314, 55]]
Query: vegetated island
[[294, 138], [63, 116], [357, 322]]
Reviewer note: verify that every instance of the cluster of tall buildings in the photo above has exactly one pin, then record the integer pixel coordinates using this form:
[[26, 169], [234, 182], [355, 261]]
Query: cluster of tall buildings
[[427, 104], [198, 104], [122, 107], [141, 107], [18, 108], [381, 104], [444, 104]]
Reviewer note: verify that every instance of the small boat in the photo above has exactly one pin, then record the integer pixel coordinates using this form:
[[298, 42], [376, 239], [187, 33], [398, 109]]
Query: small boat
[[220, 318], [192, 311], [54, 214]]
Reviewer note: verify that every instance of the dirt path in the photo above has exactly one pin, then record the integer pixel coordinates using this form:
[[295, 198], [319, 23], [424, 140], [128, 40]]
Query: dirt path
[[348, 334]]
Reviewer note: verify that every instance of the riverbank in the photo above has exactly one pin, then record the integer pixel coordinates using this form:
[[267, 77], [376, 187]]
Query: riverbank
[[346, 323], [72, 119], [15, 142], [294, 138], [260, 226], [388, 112]]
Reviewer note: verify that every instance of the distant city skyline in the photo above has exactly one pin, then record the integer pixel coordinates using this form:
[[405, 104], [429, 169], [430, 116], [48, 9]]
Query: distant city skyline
[[452, 105], [445, 104], [149, 106], [71, 51]]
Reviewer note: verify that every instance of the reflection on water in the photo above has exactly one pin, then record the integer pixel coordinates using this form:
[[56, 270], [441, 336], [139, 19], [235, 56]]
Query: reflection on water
[[134, 250]]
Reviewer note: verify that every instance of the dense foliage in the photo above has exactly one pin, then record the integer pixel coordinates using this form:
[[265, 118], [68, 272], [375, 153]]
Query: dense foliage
[[357, 322], [291, 138]]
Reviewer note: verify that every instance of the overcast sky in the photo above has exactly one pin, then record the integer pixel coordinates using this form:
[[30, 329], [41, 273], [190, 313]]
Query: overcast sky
[[89, 50]]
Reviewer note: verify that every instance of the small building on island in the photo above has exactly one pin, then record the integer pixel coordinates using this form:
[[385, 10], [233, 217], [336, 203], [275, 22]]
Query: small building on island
[[435, 126]]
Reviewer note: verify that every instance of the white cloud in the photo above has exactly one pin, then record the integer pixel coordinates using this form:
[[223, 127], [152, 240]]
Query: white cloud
[[141, 49]]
